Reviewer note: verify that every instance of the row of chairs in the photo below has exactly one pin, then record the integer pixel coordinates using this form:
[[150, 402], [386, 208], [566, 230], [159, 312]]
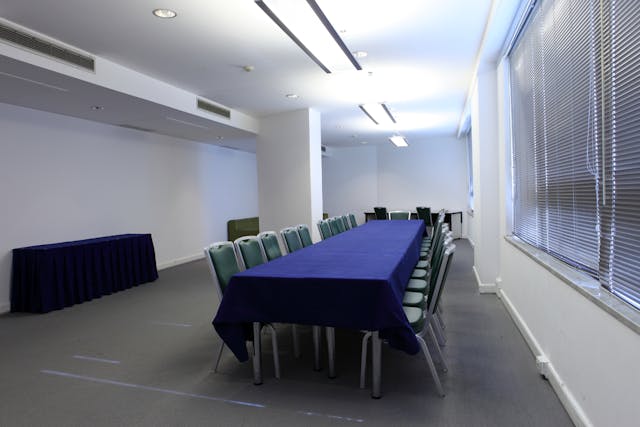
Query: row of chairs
[[422, 297], [336, 225], [424, 213], [228, 258]]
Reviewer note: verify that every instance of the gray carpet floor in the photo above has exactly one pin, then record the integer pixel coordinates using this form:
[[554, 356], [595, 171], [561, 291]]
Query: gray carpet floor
[[144, 357]]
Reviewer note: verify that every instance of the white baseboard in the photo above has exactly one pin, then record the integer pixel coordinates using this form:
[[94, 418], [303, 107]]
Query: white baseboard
[[471, 242], [5, 308], [571, 405], [484, 288], [178, 261]]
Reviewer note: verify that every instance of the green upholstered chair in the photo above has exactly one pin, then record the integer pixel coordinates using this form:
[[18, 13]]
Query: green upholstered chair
[[291, 239], [305, 235], [345, 222], [324, 229], [223, 263], [400, 215], [340, 223], [352, 219], [270, 244], [424, 214], [333, 225], [422, 321], [381, 212], [250, 251]]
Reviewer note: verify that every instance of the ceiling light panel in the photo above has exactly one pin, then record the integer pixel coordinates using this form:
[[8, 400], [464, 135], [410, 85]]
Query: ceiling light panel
[[378, 113], [308, 27], [399, 141]]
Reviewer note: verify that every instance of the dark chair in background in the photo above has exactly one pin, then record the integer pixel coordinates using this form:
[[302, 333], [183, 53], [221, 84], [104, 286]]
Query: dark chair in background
[[381, 212]]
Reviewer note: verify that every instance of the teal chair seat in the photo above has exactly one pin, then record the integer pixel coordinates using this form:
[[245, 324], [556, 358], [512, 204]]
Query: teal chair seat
[[417, 285], [424, 264], [419, 273], [416, 318], [413, 299]]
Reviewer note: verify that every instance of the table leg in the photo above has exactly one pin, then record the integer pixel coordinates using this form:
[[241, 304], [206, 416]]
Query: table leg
[[331, 351], [376, 358], [257, 353], [316, 347]]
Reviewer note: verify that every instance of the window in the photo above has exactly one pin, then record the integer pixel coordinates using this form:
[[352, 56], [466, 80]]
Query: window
[[575, 117]]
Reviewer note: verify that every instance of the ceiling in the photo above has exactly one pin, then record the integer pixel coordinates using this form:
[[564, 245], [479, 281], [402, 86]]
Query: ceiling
[[422, 55]]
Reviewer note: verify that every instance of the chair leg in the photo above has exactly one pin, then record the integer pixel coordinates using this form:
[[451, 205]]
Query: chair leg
[[439, 333], [274, 345], [317, 335], [440, 355], [296, 343], [215, 369], [432, 368], [363, 359], [331, 350]]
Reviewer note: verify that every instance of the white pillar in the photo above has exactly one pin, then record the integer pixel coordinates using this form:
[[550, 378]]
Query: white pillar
[[290, 171], [486, 182]]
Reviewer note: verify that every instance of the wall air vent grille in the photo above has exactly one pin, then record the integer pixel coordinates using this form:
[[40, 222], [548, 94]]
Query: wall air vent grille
[[22, 39], [212, 108]]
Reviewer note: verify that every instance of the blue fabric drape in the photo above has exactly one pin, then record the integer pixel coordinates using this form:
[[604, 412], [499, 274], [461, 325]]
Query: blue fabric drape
[[54, 276], [353, 280]]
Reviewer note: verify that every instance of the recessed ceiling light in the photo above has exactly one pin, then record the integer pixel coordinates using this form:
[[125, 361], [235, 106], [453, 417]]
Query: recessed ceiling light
[[97, 107], [164, 13], [364, 142], [398, 141], [292, 96], [360, 54]]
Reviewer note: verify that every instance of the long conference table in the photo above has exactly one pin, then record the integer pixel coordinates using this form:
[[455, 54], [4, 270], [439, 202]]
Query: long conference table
[[355, 280]]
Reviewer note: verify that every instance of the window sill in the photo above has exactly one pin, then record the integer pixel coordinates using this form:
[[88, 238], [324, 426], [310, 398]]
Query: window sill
[[584, 284]]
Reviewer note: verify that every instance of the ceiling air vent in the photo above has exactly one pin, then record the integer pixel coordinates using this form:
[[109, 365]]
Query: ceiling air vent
[[212, 108], [22, 39]]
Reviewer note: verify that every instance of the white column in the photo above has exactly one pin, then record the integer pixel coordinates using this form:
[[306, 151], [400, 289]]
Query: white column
[[486, 182], [290, 171]]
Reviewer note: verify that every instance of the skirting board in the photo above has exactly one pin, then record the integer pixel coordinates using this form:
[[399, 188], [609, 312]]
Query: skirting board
[[484, 288], [178, 261], [567, 398]]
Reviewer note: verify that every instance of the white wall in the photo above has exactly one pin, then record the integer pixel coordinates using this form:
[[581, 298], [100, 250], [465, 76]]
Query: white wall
[[593, 357], [430, 173], [290, 170], [427, 173], [350, 181], [65, 179], [486, 222]]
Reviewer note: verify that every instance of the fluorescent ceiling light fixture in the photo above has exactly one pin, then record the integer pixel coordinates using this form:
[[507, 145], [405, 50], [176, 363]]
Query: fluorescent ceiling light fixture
[[310, 29], [164, 13], [378, 113], [399, 141]]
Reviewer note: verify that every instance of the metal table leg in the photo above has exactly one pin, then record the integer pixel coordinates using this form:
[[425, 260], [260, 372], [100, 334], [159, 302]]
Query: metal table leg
[[257, 353], [331, 351], [376, 358], [316, 347]]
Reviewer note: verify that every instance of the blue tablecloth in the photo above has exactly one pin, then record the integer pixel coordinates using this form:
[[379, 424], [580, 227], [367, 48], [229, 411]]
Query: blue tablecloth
[[54, 276], [353, 280]]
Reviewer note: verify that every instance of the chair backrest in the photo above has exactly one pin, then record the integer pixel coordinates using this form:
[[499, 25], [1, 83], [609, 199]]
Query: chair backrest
[[399, 215], [305, 235], [324, 229], [333, 225], [223, 263], [345, 221], [340, 224], [352, 218], [291, 239], [270, 244], [381, 212], [250, 252], [434, 296], [424, 214]]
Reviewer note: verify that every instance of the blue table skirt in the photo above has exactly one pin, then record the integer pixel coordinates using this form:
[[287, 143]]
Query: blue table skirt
[[353, 280], [54, 276]]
